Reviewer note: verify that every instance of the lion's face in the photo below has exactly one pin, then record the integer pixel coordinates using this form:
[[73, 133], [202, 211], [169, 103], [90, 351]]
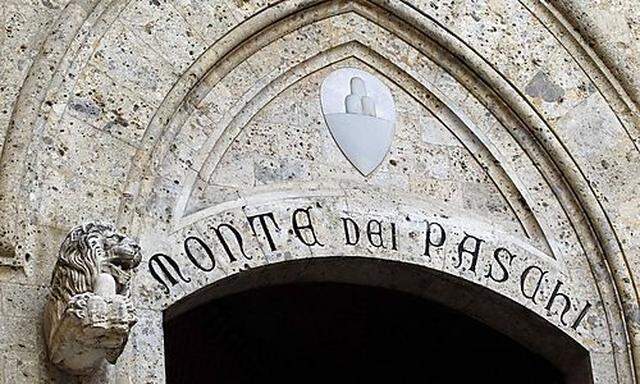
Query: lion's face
[[121, 251], [121, 256]]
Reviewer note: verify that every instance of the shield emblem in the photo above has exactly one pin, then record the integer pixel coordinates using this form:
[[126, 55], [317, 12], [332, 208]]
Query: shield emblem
[[360, 113]]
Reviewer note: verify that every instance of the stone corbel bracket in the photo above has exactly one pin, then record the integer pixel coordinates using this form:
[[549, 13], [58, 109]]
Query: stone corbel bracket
[[89, 314]]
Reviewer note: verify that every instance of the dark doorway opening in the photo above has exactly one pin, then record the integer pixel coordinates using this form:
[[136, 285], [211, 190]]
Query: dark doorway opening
[[334, 333]]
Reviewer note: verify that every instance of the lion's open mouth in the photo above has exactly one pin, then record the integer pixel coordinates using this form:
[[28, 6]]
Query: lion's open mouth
[[124, 257], [122, 263], [121, 266]]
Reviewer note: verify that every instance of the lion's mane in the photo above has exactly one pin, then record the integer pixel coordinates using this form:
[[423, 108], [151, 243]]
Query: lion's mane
[[79, 261]]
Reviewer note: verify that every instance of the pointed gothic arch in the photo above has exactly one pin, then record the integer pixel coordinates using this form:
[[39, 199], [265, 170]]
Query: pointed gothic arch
[[597, 239]]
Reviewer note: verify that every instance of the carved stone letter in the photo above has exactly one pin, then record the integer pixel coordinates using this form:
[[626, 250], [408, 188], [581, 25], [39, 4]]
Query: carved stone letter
[[89, 314]]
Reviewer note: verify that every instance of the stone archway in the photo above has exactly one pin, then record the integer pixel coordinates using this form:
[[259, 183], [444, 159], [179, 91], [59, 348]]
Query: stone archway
[[195, 324], [486, 274], [514, 138], [330, 332]]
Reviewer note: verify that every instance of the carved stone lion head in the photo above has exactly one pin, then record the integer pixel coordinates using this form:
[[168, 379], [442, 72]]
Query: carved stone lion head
[[89, 250], [89, 313]]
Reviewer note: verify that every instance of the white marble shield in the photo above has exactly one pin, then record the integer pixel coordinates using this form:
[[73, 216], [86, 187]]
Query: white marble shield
[[360, 114]]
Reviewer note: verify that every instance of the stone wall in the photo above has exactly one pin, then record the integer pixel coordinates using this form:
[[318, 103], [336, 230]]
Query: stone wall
[[517, 123]]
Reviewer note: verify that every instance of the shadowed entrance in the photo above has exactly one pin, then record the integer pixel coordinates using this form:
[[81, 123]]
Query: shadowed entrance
[[336, 332]]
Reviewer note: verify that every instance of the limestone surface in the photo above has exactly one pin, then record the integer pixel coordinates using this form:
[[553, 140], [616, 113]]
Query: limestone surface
[[197, 128]]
